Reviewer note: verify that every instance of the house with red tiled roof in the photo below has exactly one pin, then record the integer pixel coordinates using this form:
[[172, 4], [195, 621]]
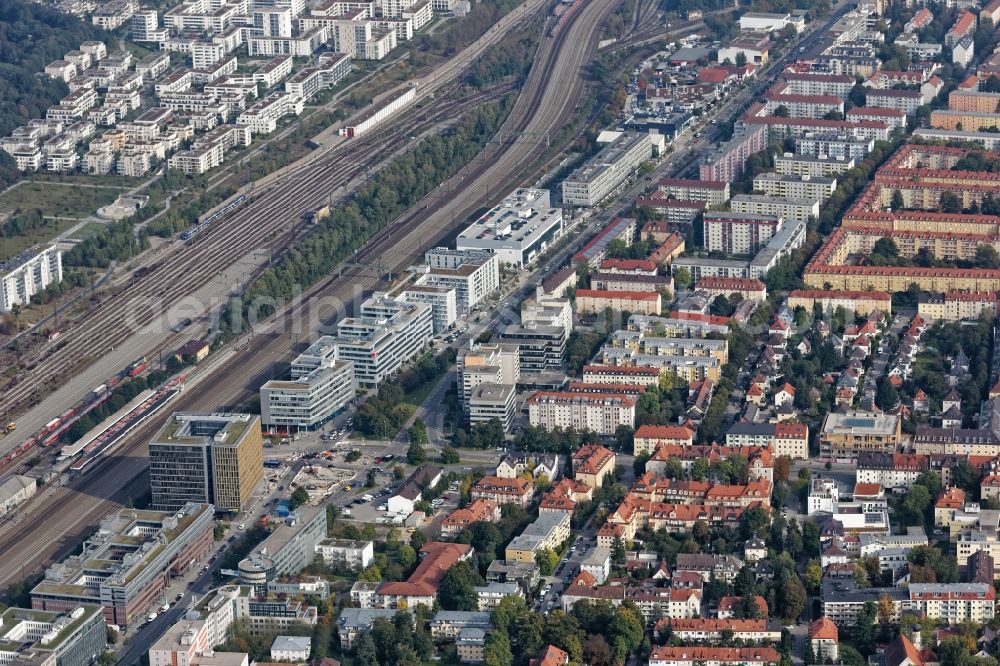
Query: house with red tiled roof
[[552, 656], [729, 605], [422, 585], [825, 640], [902, 652], [592, 464], [761, 458], [949, 501], [920, 401], [565, 495], [756, 395], [478, 510], [711, 630], [785, 395], [669, 655]]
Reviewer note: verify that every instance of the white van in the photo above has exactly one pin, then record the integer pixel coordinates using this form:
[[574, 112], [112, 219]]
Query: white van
[[150, 617]]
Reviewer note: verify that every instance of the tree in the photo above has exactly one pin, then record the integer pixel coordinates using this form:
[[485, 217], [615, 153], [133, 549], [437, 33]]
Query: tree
[[547, 561], [418, 432], [782, 468], [596, 651], [917, 501], [416, 454], [457, 590], [682, 278], [864, 629], [370, 478], [299, 497], [987, 257], [449, 456], [885, 247], [781, 112], [886, 396], [753, 521], [497, 651], [741, 58], [896, 202], [813, 577], [949, 202]]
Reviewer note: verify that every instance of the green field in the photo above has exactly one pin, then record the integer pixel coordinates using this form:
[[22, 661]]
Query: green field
[[87, 230], [65, 201], [58, 199]]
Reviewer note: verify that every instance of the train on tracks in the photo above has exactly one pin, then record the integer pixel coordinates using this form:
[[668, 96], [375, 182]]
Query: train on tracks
[[57, 427], [206, 220], [563, 12]]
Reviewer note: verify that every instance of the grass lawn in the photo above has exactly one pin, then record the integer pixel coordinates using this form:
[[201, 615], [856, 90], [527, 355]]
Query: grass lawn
[[88, 230], [58, 199], [15, 244], [417, 397]]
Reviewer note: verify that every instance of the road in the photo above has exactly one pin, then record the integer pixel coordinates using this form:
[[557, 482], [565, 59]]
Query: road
[[547, 98]]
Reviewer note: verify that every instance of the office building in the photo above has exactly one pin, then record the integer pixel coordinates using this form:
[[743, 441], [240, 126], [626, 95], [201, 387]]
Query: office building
[[485, 363], [126, 565], [517, 230], [473, 274], [288, 549], [27, 274], [599, 177], [319, 388], [29, 637], [207, 458], [386, 334], [541, 348], [493, 401]]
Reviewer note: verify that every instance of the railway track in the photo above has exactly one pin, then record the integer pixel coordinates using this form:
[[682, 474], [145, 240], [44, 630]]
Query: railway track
[[261, 225], [548, 99], [178, 275]]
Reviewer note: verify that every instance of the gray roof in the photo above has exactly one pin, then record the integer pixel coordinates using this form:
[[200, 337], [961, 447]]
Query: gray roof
[[285, 643], [363, 618]]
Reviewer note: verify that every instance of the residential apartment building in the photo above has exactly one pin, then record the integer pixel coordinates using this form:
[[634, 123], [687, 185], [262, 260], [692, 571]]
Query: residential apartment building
[[737, 232], [861, 303], [845, 436], [804, 106], [27, 274], [795, 187], [791, 164], [832, 146], [648, 437], [728, 162], [892, 471], [503, 491], [549, 530], [594, 181], [600, 413], [125, 567], [592, 464], [785, 439], [788, 209], [320, 387], [713, 192], [421, 587], [666, 655], [206, 458], [596, 301], [355, 555], [493, 401]]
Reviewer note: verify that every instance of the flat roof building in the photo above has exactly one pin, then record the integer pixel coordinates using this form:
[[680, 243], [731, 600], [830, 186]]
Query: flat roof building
[[288, 549], [125, 566], [594, 181], [517, 229], [319, 388], [206, 458], [30, 637]]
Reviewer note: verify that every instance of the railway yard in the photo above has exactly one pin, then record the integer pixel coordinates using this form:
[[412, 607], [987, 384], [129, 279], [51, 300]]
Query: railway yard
[[268, 222]]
